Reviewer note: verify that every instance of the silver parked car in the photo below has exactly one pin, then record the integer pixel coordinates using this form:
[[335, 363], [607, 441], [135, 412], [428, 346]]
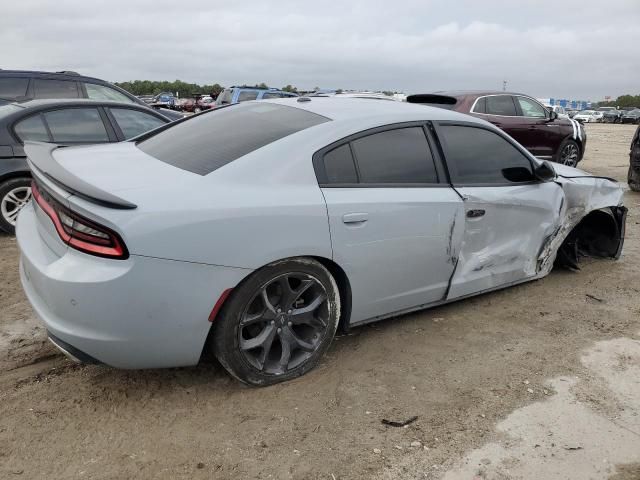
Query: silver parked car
[[258, 229]]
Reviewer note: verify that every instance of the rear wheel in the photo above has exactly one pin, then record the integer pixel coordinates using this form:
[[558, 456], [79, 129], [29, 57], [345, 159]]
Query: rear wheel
[[14, 195], [568, 153], [278, 323]]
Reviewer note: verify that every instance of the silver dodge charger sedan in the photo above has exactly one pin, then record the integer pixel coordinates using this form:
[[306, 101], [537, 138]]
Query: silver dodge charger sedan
[[256, 230]]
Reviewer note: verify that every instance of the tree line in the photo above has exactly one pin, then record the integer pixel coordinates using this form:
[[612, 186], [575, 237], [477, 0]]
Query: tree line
[[184, 89], [622, 101]]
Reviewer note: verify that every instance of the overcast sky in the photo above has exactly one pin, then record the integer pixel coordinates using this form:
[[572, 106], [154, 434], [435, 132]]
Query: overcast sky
[[580, 49]]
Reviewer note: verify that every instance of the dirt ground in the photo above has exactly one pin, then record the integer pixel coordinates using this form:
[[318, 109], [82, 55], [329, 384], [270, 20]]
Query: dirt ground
[[540, 380]]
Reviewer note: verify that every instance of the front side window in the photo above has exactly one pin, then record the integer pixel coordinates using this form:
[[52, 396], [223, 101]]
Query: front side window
[[205, 143], [33, 129], [247, 95], [531, 109], [76, 125], [501, 105], [133, 122], [44, 88], [479, 156], [100, 92], [395, 156], [13, 87]]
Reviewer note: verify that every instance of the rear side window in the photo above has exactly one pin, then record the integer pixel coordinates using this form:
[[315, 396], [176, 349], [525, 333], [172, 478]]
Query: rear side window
[[501, 105], [133, 122], [207, 142], [479, 156], [395, 156], [247, 95], [480, 106], [33, 129], [338, 164], [100, 92], [76, 125], [13, 87], [44, 88], [266, 96]]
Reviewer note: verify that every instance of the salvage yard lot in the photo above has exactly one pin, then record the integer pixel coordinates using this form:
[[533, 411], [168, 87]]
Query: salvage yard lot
[[462, 369]]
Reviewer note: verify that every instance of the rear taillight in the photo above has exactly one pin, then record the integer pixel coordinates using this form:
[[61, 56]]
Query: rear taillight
[[79, 232]]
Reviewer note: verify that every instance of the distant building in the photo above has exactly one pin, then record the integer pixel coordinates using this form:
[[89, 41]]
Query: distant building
[[564, 103]]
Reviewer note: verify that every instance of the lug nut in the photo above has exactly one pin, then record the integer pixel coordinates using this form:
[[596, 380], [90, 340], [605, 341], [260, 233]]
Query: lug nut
[[289, 324], [273, 322], [289, 312], [279, 330], [278, 310]]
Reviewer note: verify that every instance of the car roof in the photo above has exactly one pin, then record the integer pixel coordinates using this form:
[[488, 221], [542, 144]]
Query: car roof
[[339, 109], [38, 73], [477, 93]]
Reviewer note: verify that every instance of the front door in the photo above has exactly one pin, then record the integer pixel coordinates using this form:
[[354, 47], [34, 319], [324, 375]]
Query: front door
[[508, 214], [394, 222]]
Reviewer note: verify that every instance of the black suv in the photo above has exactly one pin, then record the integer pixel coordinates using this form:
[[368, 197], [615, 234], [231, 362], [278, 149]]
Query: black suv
[[20, 85], [64, 122]]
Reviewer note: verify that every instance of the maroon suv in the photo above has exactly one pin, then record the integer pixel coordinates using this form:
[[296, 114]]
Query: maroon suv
[[524, 118]]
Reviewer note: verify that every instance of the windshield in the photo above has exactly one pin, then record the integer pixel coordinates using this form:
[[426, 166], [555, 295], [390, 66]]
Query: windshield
[[225, 97]]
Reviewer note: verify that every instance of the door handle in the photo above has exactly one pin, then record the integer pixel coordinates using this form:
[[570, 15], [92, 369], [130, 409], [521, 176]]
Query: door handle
[[475, 213], [355, 217]]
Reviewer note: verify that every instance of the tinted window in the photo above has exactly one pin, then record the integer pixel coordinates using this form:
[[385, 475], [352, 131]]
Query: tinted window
[[338, 164], [13, 87], [100, 92], [54, 89], [530, 108], [271, 95], [133, 122], [481, 105], [76, 125], [501, 105], [247, 95], [395, 156], [207, 142], [475, 155], [32, 128]]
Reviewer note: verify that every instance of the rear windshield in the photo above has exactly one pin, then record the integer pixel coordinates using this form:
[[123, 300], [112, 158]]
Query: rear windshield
[[207, 142]]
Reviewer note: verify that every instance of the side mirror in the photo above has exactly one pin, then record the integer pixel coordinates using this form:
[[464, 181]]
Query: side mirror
[[552, 115], [545, 172]]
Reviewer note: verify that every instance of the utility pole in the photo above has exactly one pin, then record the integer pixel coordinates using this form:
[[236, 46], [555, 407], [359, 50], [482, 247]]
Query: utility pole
[[504, 85]]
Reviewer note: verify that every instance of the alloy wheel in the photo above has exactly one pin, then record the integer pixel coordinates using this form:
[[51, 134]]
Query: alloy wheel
[[569, 155], [13, 202], [284, 323]]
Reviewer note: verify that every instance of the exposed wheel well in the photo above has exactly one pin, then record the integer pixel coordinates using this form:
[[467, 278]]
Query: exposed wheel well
[[599, 234]]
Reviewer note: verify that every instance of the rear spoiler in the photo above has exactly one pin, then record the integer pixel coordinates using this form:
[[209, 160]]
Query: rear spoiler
[[41, 162], [433, 99]]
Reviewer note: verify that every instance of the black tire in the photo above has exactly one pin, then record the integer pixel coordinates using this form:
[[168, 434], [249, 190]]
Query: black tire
[[18, 186], [252, 339], [633, 179], [568, 153]]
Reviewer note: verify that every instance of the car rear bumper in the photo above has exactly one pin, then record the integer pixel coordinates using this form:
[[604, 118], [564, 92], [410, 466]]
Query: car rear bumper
[[136, 313]]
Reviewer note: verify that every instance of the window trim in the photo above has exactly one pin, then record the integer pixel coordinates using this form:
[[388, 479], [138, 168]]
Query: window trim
[[321, 174], [443, 144]]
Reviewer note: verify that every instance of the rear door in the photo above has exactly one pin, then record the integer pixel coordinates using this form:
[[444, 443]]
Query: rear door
[[394, 220], [508, 214]]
